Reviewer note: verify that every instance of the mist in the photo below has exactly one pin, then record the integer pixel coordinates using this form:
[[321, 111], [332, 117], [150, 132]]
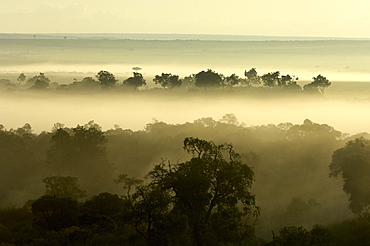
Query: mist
[[110, 141], [135, 110]]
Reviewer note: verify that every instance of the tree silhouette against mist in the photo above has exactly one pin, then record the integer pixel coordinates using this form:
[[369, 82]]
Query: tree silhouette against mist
[[167, 80], [21, 78], [106, 79], [319, 83], [211, 190], [252, 77], [208, 79], [271, 79], [135, 81]]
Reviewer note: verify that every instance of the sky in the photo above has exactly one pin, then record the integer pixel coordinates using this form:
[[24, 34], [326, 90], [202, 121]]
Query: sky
[[314, 18]]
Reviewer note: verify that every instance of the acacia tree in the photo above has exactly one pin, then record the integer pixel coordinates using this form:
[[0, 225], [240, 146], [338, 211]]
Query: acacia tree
[[352, 162], [211, 190], [319, 83]]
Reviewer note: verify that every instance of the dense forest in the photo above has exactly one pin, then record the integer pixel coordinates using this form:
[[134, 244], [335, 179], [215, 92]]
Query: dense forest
[[205, 80], [207, 182]]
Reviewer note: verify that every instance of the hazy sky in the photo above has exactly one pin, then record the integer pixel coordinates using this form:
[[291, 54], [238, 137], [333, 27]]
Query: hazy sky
[[325, 18]]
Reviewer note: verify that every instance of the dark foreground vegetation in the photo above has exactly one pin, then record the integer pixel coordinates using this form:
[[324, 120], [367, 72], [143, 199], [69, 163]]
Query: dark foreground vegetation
[[185, 185], [204, 80]]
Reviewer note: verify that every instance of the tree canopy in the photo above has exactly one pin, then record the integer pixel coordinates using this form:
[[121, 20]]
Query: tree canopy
[[352, 162]]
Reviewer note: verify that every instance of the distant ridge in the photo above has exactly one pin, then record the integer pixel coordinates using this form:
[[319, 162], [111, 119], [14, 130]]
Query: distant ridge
[[205, 37]]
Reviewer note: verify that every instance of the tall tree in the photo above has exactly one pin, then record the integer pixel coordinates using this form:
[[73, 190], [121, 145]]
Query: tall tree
[[211, 190], [63, 187], [352, 162]]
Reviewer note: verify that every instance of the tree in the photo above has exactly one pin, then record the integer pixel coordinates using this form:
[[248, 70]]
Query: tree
[[208, 79], [319, 83], [271, 79], [128, 182], [150, 208], [167, 80], [106, 79], [208, 189], [81, 152], [252, 76], [53, 213], [63, 187], [352, 162], [136, 81], [21, 78], [39, 81], [231, 80]]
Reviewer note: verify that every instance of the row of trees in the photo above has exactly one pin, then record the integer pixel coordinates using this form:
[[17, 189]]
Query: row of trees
[[204, 79]]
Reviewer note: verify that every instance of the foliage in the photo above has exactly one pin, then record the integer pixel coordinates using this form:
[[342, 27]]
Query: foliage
[[352, 162], [106, 79], [208, 79], [38, 81], [208, 186], [231, 80], [167, 80], [136, 81], [80, 152], [252, 77], [21, 78], [271, 79], [53, 213], [319, 83], [63, 187], [299, 236]]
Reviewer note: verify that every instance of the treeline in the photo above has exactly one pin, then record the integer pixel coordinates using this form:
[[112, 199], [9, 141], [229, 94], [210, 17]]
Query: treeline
[[204, 79], [271, 186]]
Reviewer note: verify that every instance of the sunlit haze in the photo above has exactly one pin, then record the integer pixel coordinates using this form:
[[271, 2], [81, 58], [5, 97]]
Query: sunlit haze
[[316, 18]]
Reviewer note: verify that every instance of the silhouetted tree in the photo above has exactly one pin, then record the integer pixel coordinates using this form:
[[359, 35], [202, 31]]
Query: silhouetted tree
[[106, 79], [136, 81], [210, 187], [208, 79], [319, 83], [352, 162], [21, 78], [271, 79], [231, 80], [167, 80], [252, 77]]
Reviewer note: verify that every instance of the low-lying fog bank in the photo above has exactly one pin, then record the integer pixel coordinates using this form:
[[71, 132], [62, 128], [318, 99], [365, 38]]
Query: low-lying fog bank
[[135, 110]]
